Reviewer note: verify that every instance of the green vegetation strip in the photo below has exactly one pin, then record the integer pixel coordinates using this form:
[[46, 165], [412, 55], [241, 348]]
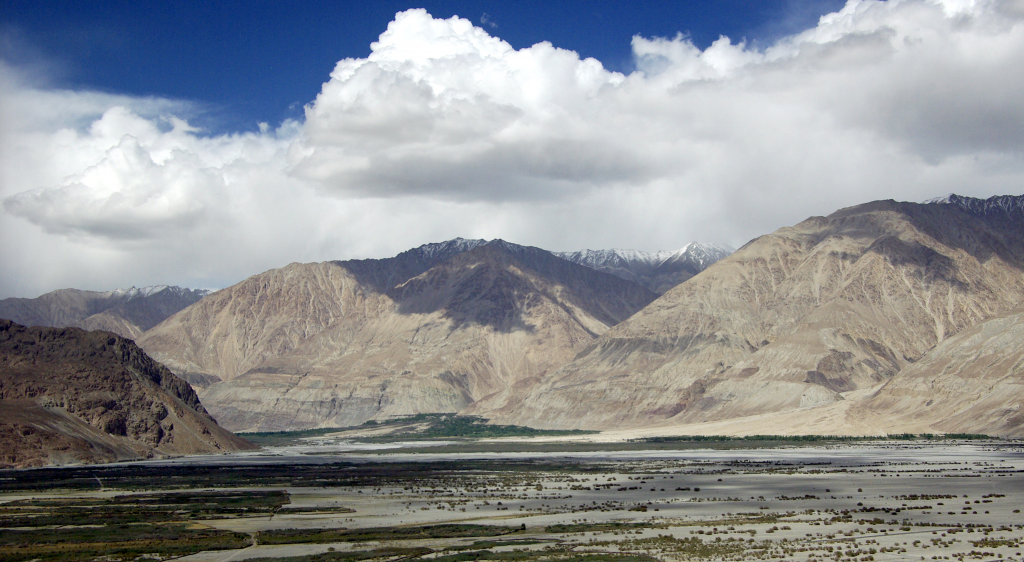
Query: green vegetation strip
[[590, 527], [127, 526], [556, 555], [353, 556], [265, 438], [812, 438], [295, 536], [560, 556], [121, 542], [139, 508], [437, 426]]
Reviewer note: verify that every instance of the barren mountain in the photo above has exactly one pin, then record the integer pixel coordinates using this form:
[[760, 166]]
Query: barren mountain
[[126, 312], [658, 271], [797, 318], [972, 382], [435, 329], [67, 395]]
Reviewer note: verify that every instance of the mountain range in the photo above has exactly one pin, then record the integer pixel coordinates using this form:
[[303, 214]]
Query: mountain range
[[126, 312], [871, 297], [658, 271], [882, 317], [435, 329]]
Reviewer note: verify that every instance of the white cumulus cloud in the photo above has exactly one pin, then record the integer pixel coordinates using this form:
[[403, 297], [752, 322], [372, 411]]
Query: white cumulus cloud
[[446, 130]]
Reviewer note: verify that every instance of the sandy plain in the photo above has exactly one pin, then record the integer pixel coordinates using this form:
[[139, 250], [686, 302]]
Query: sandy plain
[[919, 500]]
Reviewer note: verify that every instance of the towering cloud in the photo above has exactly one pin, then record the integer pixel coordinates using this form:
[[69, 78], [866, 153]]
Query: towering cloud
[[446, 130]]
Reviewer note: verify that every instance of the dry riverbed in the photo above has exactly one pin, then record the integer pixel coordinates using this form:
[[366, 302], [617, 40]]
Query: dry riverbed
[[877, 501]]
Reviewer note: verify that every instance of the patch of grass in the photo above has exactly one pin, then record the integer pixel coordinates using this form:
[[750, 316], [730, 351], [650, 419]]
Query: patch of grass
[[588, 527], [114, 542], [553, 555], [354, 556], [296, 536], [439, 426], [127, 526], [452, 426], [140, 508], [810, 438], [277, 438], [533, 555]]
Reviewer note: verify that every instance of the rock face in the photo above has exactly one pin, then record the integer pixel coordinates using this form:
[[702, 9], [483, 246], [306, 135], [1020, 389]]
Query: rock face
[[126, 312], [797, 318], [435, 329], [67, 395], [658, 271]]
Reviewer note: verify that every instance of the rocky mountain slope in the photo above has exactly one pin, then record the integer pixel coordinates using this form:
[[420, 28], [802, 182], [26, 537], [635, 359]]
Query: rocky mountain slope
[[68, 396], [658, 271], [126, 312], [435, 329], [798, 318], [972, 382]]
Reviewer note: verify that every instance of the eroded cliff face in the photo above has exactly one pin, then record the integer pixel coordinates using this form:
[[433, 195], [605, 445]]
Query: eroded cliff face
[[793, 319], [338, 343], [68, 395]]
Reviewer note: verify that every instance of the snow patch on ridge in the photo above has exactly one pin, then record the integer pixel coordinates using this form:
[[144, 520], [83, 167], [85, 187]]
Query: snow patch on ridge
[[700, 254], [133, 292], [1011, 206], [448, 248]]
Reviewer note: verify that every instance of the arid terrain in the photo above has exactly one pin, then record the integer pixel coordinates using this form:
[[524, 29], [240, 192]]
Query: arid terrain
[[330, 500], [885, 317], [882, 317], [71, 396]]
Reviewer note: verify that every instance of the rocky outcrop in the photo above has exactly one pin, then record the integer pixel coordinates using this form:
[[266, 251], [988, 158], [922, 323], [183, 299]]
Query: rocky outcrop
[[338, 343], [126, 312], [795, 319], [67, 395]]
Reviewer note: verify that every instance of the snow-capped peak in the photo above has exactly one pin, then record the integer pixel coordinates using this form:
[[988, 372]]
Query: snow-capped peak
[[448, 247], [133, 292], [698, 252], [658, 271], [1006, 205]]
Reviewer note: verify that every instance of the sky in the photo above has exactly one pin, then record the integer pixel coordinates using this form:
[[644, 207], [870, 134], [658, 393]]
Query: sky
[[146, 143]]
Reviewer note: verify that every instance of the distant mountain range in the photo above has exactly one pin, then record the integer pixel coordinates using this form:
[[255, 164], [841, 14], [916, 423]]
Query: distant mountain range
[[130, 312], [434, 329], [658, 271], [126, 312], [883, 317]]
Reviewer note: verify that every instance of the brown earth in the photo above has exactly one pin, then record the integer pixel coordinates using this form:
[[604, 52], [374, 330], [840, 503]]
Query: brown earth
[[67, 395]]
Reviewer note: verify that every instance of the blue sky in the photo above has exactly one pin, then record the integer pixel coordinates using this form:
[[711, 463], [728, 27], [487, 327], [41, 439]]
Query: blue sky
[[248, 62], [131, 151]]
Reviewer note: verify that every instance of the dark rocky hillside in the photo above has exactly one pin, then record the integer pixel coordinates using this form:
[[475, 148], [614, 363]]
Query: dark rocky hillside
[[67, 395]]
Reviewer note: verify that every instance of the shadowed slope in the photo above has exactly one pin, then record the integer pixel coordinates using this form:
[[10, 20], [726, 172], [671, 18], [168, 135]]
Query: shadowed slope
[[323, 344]]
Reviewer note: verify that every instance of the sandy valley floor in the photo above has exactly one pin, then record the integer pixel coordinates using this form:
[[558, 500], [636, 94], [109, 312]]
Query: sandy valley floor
[[879, 501]]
